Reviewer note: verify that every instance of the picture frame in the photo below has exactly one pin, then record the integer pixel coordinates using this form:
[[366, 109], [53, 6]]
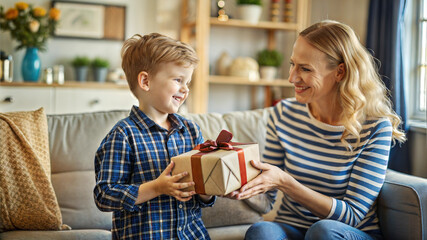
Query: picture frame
[[90, 21]]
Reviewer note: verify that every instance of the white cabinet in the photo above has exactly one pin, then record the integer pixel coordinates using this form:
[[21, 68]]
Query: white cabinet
[[74, 100], [67, 98], [25, 99]]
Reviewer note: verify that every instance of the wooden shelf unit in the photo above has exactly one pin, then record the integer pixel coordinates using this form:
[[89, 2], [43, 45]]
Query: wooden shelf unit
[[199, 29]]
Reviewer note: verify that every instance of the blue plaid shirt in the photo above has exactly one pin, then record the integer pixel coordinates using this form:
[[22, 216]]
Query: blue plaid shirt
[[136, 151]]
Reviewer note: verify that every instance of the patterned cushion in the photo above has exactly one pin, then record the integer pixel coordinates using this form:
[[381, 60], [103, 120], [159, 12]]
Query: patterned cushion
[[27, 198]]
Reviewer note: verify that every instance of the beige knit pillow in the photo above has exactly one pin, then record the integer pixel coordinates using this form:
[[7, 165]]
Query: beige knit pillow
[[27, 198]]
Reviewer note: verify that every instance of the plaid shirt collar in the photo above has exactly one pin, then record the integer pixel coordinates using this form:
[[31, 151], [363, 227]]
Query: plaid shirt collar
[[143, 121]]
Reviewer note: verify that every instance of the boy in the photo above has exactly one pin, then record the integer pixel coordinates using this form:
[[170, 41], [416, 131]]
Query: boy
[[132, 164]]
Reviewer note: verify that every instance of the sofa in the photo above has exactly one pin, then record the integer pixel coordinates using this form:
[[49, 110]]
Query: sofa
[[74, 138]]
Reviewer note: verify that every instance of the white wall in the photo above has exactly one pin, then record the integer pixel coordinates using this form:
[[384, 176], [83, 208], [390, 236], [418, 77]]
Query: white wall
[[140, 18]]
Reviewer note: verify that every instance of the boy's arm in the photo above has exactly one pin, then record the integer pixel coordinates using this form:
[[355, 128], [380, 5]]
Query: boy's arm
[[113, 169]]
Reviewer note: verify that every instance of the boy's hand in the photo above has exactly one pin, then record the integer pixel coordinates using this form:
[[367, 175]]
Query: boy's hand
[[170, 185]]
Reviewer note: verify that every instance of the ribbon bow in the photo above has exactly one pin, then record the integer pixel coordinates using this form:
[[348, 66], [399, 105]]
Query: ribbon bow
[[222, 142]]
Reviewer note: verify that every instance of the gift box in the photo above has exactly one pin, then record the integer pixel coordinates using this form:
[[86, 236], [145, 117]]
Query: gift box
[[218, 167]]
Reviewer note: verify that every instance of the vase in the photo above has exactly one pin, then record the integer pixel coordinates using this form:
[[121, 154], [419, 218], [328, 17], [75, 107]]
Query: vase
[[268, 73], [81, 73], [31, 65], [100, 74], [249, 12]]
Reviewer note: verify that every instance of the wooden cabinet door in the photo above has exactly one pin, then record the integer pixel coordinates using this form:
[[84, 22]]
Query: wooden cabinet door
[[77, 100]]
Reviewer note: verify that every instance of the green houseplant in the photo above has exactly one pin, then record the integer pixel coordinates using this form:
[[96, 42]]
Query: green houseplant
[[271, 58], [269, 61], [253, 2], [81, 65], [249, 10], [100, 69]]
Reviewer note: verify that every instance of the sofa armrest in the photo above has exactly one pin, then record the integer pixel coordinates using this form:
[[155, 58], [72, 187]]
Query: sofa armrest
[[402, 206]]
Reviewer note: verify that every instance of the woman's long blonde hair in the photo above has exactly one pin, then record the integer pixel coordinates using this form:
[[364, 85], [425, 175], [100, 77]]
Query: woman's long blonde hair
[[362, 92]]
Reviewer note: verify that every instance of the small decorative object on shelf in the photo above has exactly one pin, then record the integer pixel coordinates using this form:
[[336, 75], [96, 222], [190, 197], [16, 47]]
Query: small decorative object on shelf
[[287, 16], [80, 65], [223, 63], [221, 11], [100, 69], [269, 61], [245, 67], [6, 67], [249, 10], [275, 11], [47, 76], [31, 27], [58, 74]]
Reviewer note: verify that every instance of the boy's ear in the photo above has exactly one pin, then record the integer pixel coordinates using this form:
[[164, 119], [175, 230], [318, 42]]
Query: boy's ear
[[340, 72], [143, 81]]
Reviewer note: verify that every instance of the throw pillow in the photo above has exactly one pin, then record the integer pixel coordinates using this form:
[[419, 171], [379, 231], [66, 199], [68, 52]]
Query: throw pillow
[[27, 198]]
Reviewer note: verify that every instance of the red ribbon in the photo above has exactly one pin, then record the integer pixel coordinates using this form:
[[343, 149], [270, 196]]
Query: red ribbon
[[222, 142]]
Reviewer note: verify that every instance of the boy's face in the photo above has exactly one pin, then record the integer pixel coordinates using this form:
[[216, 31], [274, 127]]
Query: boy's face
[[168, 88]]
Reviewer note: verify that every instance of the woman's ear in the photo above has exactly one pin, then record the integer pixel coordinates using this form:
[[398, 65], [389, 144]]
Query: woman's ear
[[340, 72], [143, 81]]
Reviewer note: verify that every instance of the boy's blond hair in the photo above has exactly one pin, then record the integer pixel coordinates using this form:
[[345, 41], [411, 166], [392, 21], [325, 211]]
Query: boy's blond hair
[[145, 53]]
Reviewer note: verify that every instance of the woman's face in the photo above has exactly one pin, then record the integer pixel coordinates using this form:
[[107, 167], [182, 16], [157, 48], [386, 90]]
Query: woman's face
[[309, 72]]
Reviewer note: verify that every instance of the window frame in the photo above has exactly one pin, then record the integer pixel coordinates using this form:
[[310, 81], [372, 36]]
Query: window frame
[[416, 61]]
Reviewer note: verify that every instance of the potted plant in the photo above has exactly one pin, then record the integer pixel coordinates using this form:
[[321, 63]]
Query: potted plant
[[269, 61], [80, 64], [249, 10], [100, 69]]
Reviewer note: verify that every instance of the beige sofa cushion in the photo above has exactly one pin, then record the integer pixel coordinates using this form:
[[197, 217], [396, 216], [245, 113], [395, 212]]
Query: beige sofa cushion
[[74, 139]]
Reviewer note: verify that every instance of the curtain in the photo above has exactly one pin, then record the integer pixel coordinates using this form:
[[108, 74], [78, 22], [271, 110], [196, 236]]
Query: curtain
[[384, 40]]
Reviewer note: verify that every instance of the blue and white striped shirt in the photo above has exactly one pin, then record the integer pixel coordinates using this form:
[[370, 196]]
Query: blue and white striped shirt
[[312, 153], [135, 151]]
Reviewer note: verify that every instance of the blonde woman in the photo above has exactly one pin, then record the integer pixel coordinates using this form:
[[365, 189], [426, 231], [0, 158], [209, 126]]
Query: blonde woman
[[327, 149]]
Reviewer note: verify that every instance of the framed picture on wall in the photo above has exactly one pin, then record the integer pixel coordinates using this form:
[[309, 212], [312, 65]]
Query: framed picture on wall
[[90, 20]]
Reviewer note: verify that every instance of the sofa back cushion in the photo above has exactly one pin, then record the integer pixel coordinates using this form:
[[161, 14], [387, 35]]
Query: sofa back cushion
[[73, 141]]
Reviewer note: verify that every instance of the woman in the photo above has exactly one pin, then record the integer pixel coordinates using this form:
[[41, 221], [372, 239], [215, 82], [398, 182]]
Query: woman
[[328, 147]]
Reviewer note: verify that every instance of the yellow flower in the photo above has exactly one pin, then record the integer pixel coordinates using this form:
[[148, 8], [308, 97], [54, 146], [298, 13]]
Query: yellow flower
[[54, 14], [39, 12], [12, 13], [34, 26], [21, 5]]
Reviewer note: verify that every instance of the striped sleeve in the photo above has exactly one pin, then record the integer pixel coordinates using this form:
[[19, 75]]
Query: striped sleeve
[[273, 153], [366, 178]]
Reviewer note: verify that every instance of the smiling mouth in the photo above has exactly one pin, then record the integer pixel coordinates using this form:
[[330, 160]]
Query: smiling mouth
[[300, 89], [177, 98]]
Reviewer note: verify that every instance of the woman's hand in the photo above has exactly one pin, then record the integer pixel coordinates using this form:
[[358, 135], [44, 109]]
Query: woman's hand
[[270, 178]]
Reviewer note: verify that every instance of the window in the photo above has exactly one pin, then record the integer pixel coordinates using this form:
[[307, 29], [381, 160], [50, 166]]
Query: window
[[419, 87]]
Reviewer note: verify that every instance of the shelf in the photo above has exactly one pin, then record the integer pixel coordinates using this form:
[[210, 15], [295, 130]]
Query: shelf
[[244, 81], [260, 25], [72, 84]]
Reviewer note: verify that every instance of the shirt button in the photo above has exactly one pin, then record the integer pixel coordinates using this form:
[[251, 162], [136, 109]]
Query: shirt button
[[179, 229], [180, 205]]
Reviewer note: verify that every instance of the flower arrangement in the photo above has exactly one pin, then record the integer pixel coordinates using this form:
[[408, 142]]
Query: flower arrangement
[[30, 26]]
